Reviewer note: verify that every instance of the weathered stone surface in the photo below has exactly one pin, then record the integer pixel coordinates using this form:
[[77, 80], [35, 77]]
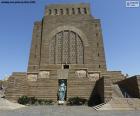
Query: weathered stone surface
[[93, 76], [81, 73], [32, 77], [44, 74]]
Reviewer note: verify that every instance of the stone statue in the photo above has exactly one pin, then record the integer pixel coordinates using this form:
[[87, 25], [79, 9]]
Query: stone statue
[[62, 92]]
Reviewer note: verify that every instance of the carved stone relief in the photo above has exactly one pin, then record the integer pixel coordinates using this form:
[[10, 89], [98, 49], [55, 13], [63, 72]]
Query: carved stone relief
[[93, 76], [32, 77], [66, 47], [44, 74], [81, 74]]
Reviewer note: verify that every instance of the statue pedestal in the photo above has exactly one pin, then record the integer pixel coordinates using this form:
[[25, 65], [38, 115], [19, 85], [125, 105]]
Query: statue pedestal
[[61, 102]]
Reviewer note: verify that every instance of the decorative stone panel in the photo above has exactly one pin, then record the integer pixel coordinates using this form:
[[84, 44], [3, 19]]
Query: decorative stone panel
[[66, 47], [44, 74], [93, 76], [81, 74], [32, 77]]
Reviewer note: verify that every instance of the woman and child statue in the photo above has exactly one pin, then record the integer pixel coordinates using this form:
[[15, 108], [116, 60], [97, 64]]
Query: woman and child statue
[[62, 91]]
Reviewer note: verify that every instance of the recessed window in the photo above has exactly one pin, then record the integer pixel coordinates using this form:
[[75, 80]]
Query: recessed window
[[73, 11], [55, 11], [67, 11], [79, 11], [85, 10], [61, 11], [99, 66], [66, 66], [98, 54]]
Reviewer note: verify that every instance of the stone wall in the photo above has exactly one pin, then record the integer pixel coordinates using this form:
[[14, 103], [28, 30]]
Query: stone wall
[[44, 85], [131, 86], [114, 76], [104, 89], [44, 89], [16, 86], [46, 30], [34, 58]]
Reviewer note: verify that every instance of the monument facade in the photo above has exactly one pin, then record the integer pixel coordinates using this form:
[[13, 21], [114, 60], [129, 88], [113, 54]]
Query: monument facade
[[67, 59]]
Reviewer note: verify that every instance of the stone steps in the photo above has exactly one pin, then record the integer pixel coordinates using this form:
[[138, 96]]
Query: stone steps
[[121, 104]]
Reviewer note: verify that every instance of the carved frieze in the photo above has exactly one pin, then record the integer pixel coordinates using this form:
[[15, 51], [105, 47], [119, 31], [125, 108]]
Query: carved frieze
[[93, 76], [32, 77], [44, 74], [81, 74]]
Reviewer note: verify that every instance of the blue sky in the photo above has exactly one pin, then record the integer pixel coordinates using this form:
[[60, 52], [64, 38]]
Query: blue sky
[[120, 26]]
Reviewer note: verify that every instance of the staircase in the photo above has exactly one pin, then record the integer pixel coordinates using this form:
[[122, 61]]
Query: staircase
[[121, 100], [134, 102], [120, 104], [97, 107]]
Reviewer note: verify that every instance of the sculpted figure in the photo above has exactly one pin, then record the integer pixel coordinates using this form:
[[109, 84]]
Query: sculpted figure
[[62, 91]]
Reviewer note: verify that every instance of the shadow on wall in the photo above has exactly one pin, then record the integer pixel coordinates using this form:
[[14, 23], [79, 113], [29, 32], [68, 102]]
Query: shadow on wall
[[130, 86], [95, 97]]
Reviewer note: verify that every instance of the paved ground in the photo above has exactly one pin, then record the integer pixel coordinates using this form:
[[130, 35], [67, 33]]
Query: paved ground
[[65, 111], [7, 105]]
